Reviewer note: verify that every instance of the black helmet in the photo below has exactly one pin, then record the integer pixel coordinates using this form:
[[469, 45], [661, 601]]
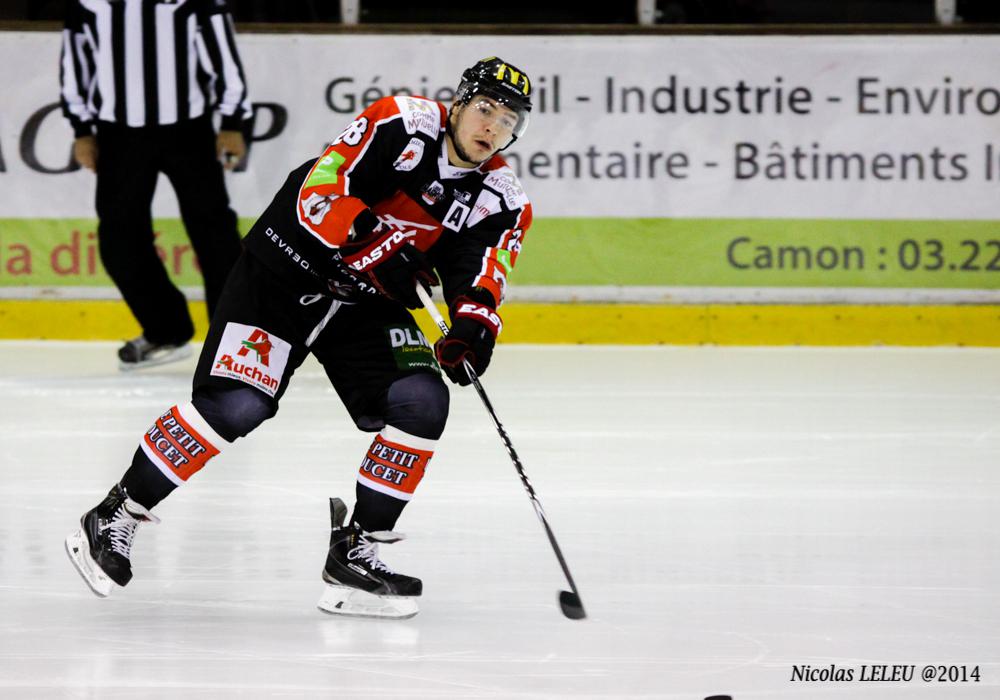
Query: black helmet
[[501, 81]]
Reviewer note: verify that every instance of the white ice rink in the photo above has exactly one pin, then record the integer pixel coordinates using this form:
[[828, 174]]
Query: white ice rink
[[727, 513]]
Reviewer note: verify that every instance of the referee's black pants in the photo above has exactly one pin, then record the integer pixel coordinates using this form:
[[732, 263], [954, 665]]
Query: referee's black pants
[[129, 161]]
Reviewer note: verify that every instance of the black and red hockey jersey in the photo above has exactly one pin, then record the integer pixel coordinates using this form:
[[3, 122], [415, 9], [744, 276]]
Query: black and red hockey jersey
[[393, 160]]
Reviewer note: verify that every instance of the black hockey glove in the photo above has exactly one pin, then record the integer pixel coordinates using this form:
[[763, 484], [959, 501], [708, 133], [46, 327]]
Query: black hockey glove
[[474, 330], [386, 260]]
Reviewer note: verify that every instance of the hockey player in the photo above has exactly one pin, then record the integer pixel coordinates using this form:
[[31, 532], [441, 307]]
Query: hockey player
[[412, 191]]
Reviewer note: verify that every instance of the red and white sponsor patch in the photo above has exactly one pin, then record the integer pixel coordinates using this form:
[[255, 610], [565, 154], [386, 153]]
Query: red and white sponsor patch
[[420, 115], [395, 463], [481, 313], [487, 204], [251, 355], [504, 181], [371, 256], [181, 442]]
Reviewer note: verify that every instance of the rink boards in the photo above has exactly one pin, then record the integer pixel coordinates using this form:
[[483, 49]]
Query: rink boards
[[604, 323]]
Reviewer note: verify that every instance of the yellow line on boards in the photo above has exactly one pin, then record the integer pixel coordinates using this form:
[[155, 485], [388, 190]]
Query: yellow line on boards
[[632, 324], [754, 324]]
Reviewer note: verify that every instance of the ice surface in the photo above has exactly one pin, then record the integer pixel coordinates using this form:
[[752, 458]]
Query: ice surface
[[727, 513]]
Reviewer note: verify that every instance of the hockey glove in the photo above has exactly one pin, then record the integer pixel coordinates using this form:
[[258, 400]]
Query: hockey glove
[[474, 330], [387, 261]]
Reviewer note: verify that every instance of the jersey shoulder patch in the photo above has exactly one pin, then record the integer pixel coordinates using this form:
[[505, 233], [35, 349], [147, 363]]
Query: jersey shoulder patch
[[503, 181], [420, 115]]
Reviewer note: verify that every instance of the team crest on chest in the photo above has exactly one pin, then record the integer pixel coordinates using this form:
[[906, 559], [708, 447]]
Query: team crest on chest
[[410, 156], [432, 193]]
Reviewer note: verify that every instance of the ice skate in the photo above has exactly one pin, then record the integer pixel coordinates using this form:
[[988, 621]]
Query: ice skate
[[358, 584], [139, 352], [100, 548]]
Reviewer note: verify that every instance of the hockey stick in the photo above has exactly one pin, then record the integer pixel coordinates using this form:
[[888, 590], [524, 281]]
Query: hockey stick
[[569, 602]]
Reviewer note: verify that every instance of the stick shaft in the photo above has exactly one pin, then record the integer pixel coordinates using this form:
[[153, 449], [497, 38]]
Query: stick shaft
[[539, 511]]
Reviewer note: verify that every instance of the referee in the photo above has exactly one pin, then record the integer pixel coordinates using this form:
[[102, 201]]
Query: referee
[[139, 80]]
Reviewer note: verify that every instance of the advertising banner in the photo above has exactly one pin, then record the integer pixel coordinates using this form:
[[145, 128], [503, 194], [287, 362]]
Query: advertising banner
[[657, 162]]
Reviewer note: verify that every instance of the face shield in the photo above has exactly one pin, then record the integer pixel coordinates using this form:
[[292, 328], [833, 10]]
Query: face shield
[[500, 117], [513, 115], [510, 110]]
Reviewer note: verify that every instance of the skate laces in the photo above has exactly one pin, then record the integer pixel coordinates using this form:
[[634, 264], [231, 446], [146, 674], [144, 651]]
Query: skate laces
[[367, 549], [122, 526]]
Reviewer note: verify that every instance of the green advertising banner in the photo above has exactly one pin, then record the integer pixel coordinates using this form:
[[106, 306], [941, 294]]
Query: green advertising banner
[[64, 253], [645, 252], [762, 253]]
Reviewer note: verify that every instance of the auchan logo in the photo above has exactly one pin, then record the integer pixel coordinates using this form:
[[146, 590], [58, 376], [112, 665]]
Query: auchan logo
[[260, 344], [253, 356], [247, 373]]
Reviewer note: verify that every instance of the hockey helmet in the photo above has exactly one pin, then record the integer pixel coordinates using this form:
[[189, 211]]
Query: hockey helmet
[[500, 81]]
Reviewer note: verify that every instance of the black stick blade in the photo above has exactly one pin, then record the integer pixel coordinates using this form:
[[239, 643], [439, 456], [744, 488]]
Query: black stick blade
[[572, 606]]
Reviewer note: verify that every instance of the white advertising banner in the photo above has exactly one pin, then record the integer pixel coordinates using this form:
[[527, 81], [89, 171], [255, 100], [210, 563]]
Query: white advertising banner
[[816, 127], [661, 168]]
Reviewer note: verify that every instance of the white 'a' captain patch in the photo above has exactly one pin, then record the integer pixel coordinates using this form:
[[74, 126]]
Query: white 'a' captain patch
[[410, 156], [506, 183], [456, 216], [419, 115]]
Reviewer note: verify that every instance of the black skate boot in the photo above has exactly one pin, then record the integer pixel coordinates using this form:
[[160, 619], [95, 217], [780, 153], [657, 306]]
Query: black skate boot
[[139, 352], [100, 548], [358, 583]]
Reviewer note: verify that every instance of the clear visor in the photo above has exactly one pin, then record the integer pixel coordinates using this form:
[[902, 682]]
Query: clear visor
[[504, 119]]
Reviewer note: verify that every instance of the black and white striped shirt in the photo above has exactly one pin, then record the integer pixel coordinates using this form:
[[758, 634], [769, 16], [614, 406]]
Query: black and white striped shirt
[[150, 62]]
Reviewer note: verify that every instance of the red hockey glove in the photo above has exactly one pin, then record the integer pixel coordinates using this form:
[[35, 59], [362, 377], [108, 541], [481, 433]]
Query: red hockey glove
[[474, 330], [386, 260]]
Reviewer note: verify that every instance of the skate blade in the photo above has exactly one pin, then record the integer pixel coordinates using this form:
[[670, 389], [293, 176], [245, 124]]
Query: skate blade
[[79, 553], [353, 602], [162, 358]]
